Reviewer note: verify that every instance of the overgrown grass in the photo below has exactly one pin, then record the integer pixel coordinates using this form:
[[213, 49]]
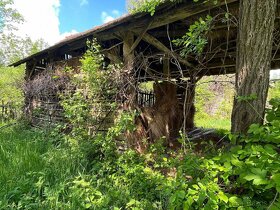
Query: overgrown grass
[[33, 171], [210, 122], [50, 170], [41, 170]]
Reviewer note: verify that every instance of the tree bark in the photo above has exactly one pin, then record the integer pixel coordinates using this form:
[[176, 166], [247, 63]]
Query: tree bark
[[254, 49]]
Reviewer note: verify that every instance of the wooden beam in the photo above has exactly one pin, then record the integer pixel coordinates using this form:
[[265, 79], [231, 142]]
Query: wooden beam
[[30, 68], [181, 11], [162, 33], [113, 53], [139, 38], [116, 59], [156, 43], [139, 21]]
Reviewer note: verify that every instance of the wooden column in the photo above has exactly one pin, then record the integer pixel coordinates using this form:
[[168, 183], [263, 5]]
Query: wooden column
[[129, 73], [27, 107], [166, 67], [187, 90], [114, 58], [189, 107], [29, 70], [128, 55]]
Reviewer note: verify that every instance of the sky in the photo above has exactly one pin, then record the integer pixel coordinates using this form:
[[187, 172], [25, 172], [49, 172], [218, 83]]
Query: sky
[[53, 20]]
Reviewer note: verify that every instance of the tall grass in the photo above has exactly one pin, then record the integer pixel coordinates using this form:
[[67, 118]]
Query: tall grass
[[211, 122], [34, 172]]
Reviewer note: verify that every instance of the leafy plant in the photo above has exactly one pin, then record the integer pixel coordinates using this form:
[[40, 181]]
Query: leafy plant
[[195, 39]]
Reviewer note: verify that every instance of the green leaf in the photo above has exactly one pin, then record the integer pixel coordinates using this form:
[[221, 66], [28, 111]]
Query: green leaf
[[237, 162], [250, 177], [258, 176], [192, 192], [253, 128], [222, 196], [196, 187], [259, 172], [276, 179], [87, 205], [259, 181], [227, 15], [235, 201], [187, 204]]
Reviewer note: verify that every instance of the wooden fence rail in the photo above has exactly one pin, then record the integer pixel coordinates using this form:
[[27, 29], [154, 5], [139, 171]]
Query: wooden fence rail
[[9, 111]]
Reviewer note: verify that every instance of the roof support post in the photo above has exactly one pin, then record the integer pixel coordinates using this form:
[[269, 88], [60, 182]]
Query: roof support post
[[129, 73], [189, 107], [113, 56], [28, 106], [140, 37], [30, 68], [188, 91], [128, 55], [166, 67]]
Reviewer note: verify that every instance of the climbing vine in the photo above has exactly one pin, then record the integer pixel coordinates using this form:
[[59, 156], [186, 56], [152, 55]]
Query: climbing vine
[[91, 94]]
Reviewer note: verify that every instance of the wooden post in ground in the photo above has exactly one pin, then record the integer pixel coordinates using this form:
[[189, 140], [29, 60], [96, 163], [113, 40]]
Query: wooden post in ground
[[166, 67], [27, 107], [129, 74], [189, 107], [3, 110], [187, 90]]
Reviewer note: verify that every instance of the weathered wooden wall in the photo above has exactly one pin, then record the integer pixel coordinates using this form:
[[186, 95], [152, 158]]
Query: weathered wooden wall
[[43, 86]]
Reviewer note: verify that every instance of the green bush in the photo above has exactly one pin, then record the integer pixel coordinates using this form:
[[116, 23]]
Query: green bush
[[45, 171], [11, 83]]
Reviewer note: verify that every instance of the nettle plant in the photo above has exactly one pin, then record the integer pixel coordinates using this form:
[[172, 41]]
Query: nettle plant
[[248, 175], [245, 175]]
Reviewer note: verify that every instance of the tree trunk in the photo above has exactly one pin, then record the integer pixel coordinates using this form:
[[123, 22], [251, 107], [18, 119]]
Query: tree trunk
[[254, 49]]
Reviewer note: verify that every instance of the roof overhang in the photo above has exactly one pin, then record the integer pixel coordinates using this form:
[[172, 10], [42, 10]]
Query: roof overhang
[[165, 14]]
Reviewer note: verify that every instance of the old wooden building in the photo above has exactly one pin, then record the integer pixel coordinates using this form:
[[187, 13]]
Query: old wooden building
[[144, 43]]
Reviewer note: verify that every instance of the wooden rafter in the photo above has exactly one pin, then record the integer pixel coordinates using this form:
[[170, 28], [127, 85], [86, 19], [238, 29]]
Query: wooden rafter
[[156, 43], [165, 17], [136, 23], [139, 38]]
